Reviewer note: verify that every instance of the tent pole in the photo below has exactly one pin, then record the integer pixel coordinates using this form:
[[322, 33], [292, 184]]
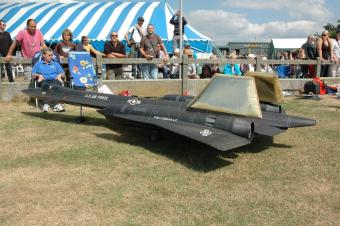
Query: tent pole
[[180, 39], [183, 65]]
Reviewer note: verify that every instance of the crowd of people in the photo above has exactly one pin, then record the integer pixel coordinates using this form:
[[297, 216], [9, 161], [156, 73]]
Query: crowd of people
[[323, 48], [145, 43]]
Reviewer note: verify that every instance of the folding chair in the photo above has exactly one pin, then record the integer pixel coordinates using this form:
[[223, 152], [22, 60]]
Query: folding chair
[[82, 73]]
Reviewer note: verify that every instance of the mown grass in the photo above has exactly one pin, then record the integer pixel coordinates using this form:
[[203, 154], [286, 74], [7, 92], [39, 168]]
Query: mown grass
[[56, 171]]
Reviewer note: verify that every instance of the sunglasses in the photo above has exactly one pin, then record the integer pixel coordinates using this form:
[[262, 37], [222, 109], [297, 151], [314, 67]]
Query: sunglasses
[[114, 35], [323, 35]]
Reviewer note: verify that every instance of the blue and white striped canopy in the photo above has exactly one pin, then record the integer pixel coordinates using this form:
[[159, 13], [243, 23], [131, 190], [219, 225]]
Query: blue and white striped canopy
[[96, 19]]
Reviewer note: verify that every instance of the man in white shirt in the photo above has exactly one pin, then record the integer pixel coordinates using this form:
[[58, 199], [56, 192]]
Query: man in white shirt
[[133, 37], [334, 70]]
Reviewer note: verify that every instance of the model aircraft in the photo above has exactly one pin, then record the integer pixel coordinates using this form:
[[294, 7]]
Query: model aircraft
[[225, 115]]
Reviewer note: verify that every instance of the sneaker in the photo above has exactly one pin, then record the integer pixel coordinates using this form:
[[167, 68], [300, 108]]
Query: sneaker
[[58, 108], [46, 107]]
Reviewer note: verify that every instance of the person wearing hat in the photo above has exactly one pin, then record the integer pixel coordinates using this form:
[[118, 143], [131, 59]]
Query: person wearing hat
[[335, 68], [175, 21], [133, 37], [192, 72], [174, 67], [188, 47]]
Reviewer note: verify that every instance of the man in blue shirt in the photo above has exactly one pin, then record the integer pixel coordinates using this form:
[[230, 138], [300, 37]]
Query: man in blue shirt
[[48, 72]]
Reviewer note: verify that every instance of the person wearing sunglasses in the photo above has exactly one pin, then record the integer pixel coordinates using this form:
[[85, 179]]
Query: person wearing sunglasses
[[335, 68], [5, 43], [325, 52], [114, 49]]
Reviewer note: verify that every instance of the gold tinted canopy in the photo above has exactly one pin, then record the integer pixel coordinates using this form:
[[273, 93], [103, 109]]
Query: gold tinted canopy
[[268, 87], [231, 95]]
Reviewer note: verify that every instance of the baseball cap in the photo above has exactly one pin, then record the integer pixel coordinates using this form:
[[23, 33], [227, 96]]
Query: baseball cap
[[186, 44], [338, 30], [140, 19]]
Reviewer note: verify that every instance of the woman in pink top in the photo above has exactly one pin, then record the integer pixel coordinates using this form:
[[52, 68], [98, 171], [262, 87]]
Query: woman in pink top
[[30, 39]]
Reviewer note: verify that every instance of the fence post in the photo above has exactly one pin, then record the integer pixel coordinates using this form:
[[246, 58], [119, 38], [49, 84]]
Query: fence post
[[99, 65], [258, 64], [318, 67], [184, 70], [1, 65]]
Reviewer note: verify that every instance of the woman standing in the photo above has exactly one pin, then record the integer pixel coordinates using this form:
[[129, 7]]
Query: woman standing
[[324, 48], [66, 45]]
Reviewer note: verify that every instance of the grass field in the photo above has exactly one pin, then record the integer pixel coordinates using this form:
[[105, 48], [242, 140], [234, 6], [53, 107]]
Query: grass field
[[54, 171]]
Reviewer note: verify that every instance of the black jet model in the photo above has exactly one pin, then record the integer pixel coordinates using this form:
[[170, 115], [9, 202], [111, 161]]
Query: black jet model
[[225, 115]]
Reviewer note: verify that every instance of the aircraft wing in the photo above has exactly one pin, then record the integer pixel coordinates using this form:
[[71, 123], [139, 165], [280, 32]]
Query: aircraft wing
[[267, 130], [221, 140]]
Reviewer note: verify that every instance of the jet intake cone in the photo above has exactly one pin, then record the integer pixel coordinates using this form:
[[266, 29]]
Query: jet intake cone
[[300, 122]]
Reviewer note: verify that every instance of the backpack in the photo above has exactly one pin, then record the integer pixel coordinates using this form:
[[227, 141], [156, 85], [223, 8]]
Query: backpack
[[322, 85], [311, 87]]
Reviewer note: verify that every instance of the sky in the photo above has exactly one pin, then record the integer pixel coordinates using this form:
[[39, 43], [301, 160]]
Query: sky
[[256, 20]]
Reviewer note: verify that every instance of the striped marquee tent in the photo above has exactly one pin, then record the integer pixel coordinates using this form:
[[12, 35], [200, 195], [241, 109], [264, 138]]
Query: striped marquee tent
[[97, 20]]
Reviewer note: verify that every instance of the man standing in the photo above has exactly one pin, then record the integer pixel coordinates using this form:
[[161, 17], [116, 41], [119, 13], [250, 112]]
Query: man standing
[[310, 51], [148, 49], [310, 48], [31, 41], [335, 68], [5, 43], [114, 49], [48, 72], [175, 21], [135, 33]]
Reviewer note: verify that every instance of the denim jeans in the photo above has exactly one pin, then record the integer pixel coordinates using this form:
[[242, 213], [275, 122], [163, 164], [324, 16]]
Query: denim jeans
[[149, 71], [165, 71], [135, 54], [44, 87], [8, 70], [175, 42]]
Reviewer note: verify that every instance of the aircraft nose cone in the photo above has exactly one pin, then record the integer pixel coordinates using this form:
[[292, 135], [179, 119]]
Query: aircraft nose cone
[[300, 122]]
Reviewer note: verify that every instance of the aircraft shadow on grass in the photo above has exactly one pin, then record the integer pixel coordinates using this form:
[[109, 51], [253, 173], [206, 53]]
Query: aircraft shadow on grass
[[189, 153], [210, 118]]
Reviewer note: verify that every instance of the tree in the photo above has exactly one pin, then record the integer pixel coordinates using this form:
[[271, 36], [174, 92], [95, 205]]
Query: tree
[[332, 28]]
